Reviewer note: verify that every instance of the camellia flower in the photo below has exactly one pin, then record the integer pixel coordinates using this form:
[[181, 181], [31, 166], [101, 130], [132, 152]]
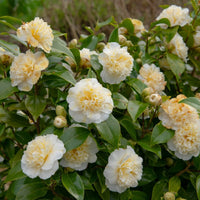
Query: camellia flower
[[124, 170], [138, 27], [42, 155], [197, 38], [85, 55], [186, 141], [79, 157], [174, 114], [26, 69], [37, 33], [152, 77], [176, 15], [89, 102], [5, 56], [178, 47], [117, 63]]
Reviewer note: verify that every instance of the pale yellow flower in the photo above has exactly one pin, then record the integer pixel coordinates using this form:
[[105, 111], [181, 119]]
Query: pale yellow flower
[[186, 141], [138, 27], [174, 114], [176, 15], [42, 155], [178, 47], [89, 102], [197, 95], [124, 170], [152, 77], [5, 56], [37, 33], [85, 55], [79, 157], [197, 38], [117, 63], [26, 69]]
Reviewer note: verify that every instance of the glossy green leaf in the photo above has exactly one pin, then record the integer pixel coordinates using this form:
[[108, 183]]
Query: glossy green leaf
[[6, 88], [174, 184], [76, 54], [10, 47], [161, 21], [127, 23], [148, 175], [119, 100], [110, 130], [114, 36], [192, 101], [90, 42], [74, 185], [95, 63], [138, 195], [198, 187], [170, 33], [101, 180], [32, 191], [196, 161], [35, 105], [160, 134], [176, 64], [159, 189], [74, 137], [52, 130], [99, 25], [137, 85], [136, 108]]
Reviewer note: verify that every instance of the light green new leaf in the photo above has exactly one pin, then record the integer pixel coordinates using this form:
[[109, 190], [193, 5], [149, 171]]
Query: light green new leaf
[[192, 101], [114, 37], [198, 187], [32, 191], [6, 88], [110, 130], [74, 137], [74, 185], [136, 108], [35, 105], [174, 184], [160, 134], [102, 24], [159, 189]]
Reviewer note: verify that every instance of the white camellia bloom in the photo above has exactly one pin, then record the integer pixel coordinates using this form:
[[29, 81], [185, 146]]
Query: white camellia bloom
[[174, 114], [37, 33], [176, 15], [186, 141], [5, 56], [178, 47], [197, 37], [85, 55], [152, 77], [79, 157], [138, 27], [124, 170], [26, 69], [42, 155], [117, 63], [89, 102]]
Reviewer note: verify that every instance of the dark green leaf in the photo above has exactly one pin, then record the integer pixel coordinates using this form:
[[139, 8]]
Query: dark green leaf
[[74, 185], [161, 21], [76, 54], [35, 105], [170, 33], [74, 137], [192, 101], [160, 134], [6, 88], [159, 189], [174, 184], [101, 180], [86, 183], [127, 23], [114, 36], [52, 130], [110, 130], [198, 187], [148, 176], [137, 85], [196, 161], [138, 195], [119, 100], [136, 108], [95, 63], [90, 42]]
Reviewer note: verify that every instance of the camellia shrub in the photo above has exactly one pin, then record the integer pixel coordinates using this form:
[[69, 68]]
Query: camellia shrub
[[102, 117]]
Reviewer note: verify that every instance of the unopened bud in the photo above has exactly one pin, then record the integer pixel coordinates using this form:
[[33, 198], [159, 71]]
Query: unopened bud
[[122, 31], [197, 95], [139, 61], [100, 46], [147, 91], [169, 196], [180, 198], [128, 43], [73, 43], [60, 110], [70, 61], [155, 99], [6, 57], [60, 122], [169, 161], [122, 39]]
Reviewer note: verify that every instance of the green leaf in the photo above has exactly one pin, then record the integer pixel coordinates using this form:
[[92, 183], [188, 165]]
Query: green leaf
[[95, 63], [74, 137], [187, 33], [194, 5], [176, 64], [76, 54], [148, 176], [99, 25], [198, 187], [174, 184], [52, 130], [145, 144], [170, 33], [114, 36], [32, 191], [196, 161], [74, 185], [160, 134], [161, 21], [87, 184], [127, 23], [138, 195], [101, 180], [136, 108], [10, 47], [12, 19], [6, 88], [110, 130], [137, 85], [90, 42], [8, 24], [192, 101], [35, 105], [119, 100], [159, 189]]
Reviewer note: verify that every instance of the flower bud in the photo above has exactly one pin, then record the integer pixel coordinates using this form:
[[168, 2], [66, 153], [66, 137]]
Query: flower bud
[[6, 57], [122, 39], [122, 31], [155, 99], [139, 61], [169, 196], [70, 61], [169, 161], [60, 122], [147, 91], [180, 198], [128, 43], [60, 110], [73, 43], [100, 46], [197, 95]]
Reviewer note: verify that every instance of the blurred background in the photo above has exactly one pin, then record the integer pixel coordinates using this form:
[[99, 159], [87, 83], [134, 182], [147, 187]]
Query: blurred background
[[71, 16]]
